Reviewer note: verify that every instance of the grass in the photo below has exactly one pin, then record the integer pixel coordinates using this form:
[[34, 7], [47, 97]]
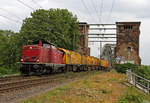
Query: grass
[[132, 95], [95, 88]]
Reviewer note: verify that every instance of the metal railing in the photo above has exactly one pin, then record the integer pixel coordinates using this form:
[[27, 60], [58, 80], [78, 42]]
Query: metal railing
[[138, 81]]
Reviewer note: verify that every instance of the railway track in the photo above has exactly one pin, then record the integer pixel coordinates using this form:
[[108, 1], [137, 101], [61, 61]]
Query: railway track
[[17, 91], [11, 78], [28, 82], [14, 78], [18, 85]]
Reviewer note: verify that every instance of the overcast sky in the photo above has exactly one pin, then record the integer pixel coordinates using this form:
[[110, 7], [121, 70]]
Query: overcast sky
[[12, 12]]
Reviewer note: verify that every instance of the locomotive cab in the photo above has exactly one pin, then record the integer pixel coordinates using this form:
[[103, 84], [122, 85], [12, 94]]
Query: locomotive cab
[[38, 52], [31, 53]]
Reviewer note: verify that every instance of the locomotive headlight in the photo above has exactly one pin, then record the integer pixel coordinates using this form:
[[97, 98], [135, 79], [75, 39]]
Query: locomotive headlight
[[21, 60], [38, 60]]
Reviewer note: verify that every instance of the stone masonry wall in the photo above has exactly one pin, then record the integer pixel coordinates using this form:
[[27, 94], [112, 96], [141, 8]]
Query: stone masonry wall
[[83, 39], [127, 49]]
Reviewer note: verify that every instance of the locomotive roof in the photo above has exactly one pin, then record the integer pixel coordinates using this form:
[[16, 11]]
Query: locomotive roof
[[43, 41]]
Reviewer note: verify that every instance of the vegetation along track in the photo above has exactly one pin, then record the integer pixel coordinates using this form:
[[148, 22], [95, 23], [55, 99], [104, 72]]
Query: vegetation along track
[[23, 84]]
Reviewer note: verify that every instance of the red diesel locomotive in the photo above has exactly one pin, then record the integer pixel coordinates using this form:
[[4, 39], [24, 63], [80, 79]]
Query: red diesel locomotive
[[41, 57]]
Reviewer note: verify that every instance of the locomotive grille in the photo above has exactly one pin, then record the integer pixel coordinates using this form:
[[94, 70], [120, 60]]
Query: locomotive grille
[[26, 57], [33, 58]]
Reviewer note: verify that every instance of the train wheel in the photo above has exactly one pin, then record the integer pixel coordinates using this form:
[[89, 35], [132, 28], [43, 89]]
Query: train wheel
[[64, 70], [39, 71], [25, 70], [74, 68]]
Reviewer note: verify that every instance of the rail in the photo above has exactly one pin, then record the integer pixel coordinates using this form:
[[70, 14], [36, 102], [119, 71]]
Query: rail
[[138, 81]]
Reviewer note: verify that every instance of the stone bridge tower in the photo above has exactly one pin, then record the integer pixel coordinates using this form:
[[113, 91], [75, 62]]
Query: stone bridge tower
[[83, 44], [127, 49]]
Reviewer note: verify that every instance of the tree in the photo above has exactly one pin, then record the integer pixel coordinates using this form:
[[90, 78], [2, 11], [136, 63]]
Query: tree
[[58, 26], [3, 47], [9, 49]]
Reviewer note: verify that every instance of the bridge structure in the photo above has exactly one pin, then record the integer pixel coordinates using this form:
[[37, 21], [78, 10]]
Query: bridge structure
[[118, 41], [104, 35]]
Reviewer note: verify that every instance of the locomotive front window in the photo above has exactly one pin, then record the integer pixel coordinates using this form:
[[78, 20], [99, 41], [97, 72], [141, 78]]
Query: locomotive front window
[[30, 47], [36, 44]]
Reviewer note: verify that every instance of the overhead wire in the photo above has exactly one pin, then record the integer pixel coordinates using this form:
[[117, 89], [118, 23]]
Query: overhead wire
[[10, 13], [86, 8], [112, 6], [78, 14], [95, 10], [25, 4], [37, 4], [101, 9], [4, 24], [8, 18]]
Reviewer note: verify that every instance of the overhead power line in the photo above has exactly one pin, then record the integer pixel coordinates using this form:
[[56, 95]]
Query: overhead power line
[[25, 4], [37, 4], [101, 9], [10, 13], [16, 21], [95, 10], [86, 8], [4, 24], [112, 6]]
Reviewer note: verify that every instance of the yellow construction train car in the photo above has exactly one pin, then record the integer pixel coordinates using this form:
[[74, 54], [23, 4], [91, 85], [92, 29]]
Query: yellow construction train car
[[83, 59], [78, 62], [104, 63]]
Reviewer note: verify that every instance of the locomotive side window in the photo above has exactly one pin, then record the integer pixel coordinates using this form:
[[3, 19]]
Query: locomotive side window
[[53, 47], [46, 45]]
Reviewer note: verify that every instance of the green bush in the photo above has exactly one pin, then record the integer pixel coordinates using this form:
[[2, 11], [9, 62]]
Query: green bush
[[143, 71], [121, 68], [3, 71], [7, 71]]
